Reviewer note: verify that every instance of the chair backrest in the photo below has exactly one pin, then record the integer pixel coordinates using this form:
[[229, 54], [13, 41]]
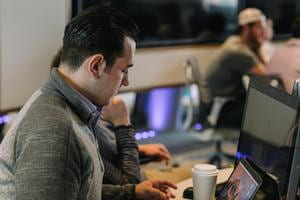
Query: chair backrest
[[193, 75], [192, 72], [216, 108]]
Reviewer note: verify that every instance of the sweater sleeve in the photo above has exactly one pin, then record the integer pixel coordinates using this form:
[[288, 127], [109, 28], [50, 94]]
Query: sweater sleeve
[[118, 192], [47, 164], [127, 168]]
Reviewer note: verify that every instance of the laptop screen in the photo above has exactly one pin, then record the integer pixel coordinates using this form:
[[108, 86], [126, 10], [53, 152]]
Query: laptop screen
[[242, 184]]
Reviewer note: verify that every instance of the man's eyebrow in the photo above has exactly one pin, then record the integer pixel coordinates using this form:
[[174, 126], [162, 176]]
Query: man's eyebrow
[[130, 65]]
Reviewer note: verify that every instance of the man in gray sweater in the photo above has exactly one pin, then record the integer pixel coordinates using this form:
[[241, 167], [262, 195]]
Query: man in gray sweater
[[51, 152]]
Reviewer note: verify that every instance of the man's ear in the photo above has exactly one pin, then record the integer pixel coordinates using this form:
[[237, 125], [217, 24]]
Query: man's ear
[[96, 65]]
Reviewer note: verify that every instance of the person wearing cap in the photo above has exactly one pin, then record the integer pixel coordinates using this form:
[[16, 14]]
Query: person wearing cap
[[285, 61], [239, 55]]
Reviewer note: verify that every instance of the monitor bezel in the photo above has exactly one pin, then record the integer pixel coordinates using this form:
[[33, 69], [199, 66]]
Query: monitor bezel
[[274, 93]]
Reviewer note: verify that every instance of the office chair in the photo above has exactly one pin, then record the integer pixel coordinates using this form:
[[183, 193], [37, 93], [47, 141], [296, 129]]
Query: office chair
[[223, 133], [211, 132], [220, 134]]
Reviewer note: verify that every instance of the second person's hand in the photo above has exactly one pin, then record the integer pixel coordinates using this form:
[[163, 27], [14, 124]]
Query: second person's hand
[[116, 113]]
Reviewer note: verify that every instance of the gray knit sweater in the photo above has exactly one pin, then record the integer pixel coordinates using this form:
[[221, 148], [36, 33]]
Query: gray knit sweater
[[51, 153]]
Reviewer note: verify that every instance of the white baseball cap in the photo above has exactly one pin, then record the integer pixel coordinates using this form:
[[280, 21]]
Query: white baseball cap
[[250, 15]]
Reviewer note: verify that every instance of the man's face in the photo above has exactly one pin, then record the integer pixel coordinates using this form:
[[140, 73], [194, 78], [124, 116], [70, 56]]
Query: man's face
[[257, 34], [117, 75]]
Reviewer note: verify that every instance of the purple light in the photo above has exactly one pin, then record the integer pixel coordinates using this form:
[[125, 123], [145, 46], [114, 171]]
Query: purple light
[[160, 108], [145, 135], [198, 126], [240, 155], [138, 136], [151, 133], [4, 119]]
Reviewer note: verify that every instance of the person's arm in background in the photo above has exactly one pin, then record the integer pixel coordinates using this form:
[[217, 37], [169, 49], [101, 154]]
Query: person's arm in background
[[246, 62], [259, 70], [267, 48], [158, 151], [149, 189], [258, 66], [126, 169], [262, 53]]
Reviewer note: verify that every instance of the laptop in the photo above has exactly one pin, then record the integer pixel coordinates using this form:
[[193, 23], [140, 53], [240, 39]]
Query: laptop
[[269, 189], [243, 183]]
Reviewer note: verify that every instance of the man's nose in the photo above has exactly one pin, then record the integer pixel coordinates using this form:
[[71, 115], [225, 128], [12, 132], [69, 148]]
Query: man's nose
[[125, 80]]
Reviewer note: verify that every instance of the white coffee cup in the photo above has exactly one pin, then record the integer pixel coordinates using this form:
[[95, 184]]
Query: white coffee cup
[[204, 181]]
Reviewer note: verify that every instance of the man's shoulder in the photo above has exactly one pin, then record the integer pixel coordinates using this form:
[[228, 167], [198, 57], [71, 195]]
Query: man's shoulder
[[235, 45], [46, 112], [42, 117], [238, 53], [233, 41], [49, 105], [227, 55]]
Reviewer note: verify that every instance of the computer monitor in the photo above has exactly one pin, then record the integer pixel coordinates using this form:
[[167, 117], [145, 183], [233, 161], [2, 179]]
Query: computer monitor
[[156, 109], [270, 135]]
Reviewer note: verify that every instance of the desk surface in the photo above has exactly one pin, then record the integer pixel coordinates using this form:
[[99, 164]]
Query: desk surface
[[222, 177]]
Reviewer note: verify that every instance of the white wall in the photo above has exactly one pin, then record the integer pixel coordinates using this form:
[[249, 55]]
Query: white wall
[[31, 31], [162, 66], [156, 67]]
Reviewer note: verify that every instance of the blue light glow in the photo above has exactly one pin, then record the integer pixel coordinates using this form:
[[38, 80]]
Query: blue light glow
[[4, 119], [198, 126], [138, 136], [160, 107], [144, 135], [151, 133], [240, 155]]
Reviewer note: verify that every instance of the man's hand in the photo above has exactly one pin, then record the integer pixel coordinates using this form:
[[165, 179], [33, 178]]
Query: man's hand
[[158, 150], [116, 112], [154, 189]]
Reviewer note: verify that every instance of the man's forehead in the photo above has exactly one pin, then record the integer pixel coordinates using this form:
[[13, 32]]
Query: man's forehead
[[262, 23]]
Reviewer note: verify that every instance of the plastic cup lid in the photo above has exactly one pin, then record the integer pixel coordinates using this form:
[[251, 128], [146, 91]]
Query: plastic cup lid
[[205, 168]]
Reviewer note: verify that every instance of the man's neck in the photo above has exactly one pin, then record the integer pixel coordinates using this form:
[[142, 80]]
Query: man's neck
[[247, 41], [73, 79], [66, 75]]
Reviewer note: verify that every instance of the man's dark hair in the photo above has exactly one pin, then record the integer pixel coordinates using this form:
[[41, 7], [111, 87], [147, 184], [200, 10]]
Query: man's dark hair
[[56, 59], [296, 28], [98, 29]]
